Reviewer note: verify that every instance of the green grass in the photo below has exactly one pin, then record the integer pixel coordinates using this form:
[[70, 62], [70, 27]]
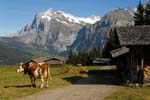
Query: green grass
[[102, 67], [93, 67], [14, 85], [131, 93]]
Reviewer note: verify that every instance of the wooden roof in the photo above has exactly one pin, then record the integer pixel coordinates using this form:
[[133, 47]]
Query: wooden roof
[[55, 62], [39, 59], [57, 58], [134, 35]]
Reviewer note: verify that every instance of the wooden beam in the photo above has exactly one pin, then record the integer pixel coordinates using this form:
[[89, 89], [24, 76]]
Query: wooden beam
[[142, 59], [142, 62]]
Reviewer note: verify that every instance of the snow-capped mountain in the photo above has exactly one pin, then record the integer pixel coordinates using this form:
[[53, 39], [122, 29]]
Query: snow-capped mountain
[[53, 30], [56, 30], [67, 18], [96, 35]]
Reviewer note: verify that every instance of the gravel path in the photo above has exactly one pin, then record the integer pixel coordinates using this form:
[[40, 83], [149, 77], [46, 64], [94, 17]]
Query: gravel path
[[86, 89]]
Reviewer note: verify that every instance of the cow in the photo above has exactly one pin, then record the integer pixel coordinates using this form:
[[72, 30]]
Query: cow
[[36, 70]]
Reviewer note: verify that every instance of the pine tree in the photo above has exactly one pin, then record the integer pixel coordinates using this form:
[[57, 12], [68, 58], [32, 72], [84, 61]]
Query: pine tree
[[112, 43], [139, 15], [114, 39], [72, 58], [84, 57], [96, 52], [89, 58], [79, 57], [147, 13]]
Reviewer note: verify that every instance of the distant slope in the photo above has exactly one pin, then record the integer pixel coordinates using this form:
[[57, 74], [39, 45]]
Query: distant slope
[[12, 56], [14, 43]]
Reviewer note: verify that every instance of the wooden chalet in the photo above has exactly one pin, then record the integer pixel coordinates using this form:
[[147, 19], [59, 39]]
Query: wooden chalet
[[39, 60], [56, 60], [133, 56]]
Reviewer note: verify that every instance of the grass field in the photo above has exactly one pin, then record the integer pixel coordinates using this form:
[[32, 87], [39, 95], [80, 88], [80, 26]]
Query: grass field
[[14, 85], [131, 93]]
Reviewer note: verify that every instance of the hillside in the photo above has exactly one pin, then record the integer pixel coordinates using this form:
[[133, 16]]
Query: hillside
[[12, 56]]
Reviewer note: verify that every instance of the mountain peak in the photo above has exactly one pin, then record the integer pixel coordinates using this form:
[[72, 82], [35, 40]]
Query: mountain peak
[[95, 17], [56, 30], [67, 17], [53, 30], [96, 35]]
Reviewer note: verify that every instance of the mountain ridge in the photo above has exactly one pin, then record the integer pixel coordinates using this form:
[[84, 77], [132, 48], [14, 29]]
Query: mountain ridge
[[96, 35], [56, 31], [53, 29]]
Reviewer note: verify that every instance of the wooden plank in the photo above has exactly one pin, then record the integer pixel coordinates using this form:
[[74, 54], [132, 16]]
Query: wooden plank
[[119, 51]]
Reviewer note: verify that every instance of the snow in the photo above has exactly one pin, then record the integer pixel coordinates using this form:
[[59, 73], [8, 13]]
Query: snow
[[50, 13], [47, 17], [79, 20], [61, 21], [135, 9], [125, 8]]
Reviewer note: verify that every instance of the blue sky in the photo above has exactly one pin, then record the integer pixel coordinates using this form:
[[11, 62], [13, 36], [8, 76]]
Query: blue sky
[[14, 14]]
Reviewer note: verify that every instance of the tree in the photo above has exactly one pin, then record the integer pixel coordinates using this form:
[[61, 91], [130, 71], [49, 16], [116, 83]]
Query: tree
[[96, 52], [139, 15], [72, 58], [89, 58], [147, 14], [112, 43], [79, 57], [82, 57]]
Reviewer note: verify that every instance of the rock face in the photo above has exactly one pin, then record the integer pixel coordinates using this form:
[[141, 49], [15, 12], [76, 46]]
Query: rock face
[[96, 35], [53, 30], [57, 31]]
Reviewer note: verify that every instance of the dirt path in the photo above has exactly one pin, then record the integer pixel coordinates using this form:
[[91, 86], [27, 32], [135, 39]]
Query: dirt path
[[86, 89]]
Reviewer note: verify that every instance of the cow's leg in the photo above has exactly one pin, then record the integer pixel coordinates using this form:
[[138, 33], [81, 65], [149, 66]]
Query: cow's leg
[[46, 82], [34, 85], [31, 78], [32, 81], [42, 82]]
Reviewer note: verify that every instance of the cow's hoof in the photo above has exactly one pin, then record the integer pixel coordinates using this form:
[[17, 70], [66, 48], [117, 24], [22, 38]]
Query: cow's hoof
[[46, 86], [34, 86]]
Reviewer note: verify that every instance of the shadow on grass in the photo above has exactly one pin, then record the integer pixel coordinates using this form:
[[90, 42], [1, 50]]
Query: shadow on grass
[[73, 79], [106, 77], [102, 77], [18, 86]]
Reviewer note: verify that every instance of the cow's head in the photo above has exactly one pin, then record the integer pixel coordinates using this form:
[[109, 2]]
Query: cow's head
[[21, 68]]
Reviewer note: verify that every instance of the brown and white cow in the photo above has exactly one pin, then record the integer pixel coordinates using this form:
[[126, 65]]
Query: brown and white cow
[[35, 70]]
